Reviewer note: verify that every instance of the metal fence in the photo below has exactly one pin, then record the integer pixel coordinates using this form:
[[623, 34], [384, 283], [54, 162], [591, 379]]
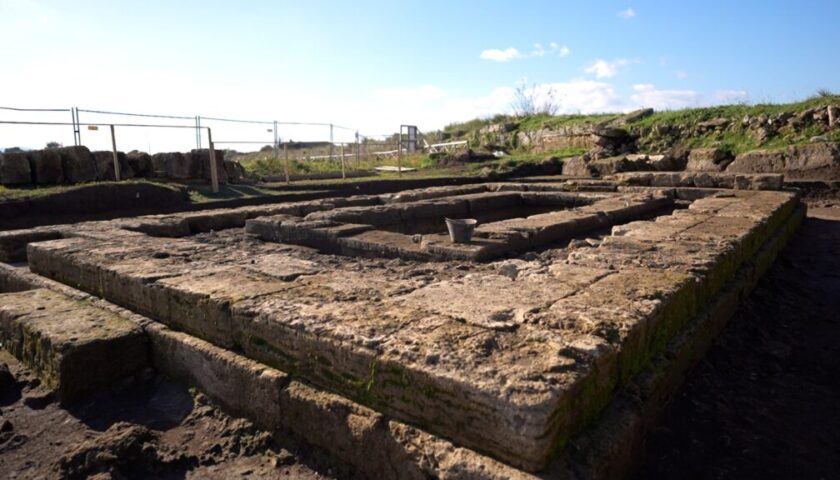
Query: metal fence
[[286, 146]]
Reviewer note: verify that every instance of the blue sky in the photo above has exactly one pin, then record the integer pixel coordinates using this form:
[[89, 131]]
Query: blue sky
[[373, 65]]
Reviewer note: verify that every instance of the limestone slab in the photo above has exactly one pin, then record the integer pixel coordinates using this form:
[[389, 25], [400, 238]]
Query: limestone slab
[[73, 347]]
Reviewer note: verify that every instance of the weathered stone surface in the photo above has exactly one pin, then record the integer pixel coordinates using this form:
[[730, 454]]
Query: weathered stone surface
[[713, 124], [13, 243], [708, 160], [105, 166], [808, 161], [351, 230], [14, 169], [140, 162], [513, 374], [200, 161], [577, 167], [175, 165], [77, 164], [759, 161], [813, 161], [634, 116], [74, 348], [351, 431], [701, 180], [47, 168]]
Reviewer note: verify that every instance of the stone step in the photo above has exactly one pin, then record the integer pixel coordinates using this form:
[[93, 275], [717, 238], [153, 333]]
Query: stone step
[[73, 347]]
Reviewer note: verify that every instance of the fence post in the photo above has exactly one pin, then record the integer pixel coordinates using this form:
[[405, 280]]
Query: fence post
[[276, 140], [116, 157], [77, 128], [358, 149], [197, 133], [286, 161], [214, 173], [343, 174], [331, 143], [399, 155]]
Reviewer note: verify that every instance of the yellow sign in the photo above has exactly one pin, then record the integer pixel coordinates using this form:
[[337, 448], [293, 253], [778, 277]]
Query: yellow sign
[[93, 127]]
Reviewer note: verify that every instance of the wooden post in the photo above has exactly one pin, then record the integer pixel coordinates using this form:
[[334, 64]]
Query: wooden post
[[276, 140], [286, 161], [399, 155], [214, 173], [116, 158], [358, 149], [331, 143], [343, 174]]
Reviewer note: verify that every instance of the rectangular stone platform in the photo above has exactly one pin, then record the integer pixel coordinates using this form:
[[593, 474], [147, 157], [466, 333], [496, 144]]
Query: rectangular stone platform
[[73, 347], [508, 222], [509, 358]]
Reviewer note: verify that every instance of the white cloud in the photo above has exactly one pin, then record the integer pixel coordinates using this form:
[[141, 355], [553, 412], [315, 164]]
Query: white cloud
[[729, 96], [627, 13], [577, 96], [647, 95], [681, 74], [604, 69], [511, 53], [497, 55], [422, 93]]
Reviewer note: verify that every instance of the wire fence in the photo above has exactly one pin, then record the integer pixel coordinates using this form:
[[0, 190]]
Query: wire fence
[[266, 147]]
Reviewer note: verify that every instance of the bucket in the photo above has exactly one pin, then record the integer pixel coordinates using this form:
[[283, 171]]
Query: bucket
[[461, 229]]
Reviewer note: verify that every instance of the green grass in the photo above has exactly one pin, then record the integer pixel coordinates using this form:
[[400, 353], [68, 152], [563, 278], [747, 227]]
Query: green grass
[[201, 193], [734, 112], [264, 164], [21, 193], [734, 139], [532, 122], [536, 122]]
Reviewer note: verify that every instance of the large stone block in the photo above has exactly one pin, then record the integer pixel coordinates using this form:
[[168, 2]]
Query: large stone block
[[708, 160], [201, 161], [74, 348], [47, 168], [105, 166], [14, 169], [78, 164], [813, 161], [759, 161], [140, 162]]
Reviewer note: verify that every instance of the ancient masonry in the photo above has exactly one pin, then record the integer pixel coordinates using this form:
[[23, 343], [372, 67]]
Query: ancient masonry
[[542, 348]]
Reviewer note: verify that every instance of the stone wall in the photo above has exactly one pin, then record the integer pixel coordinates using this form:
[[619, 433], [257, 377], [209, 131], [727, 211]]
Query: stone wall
[[818, 161], [71, 165]]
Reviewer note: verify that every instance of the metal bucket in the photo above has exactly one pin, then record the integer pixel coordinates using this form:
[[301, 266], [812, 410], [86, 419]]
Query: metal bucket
[[461, 229]]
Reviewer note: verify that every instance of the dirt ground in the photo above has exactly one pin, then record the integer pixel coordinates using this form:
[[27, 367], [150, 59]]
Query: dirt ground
[[147, 428], [765, 402]]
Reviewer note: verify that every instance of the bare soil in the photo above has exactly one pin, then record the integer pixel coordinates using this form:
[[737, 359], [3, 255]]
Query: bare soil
[[146, 428], [765, 402]]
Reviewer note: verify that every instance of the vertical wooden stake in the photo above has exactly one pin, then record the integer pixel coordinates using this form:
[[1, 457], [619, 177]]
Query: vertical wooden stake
[[214, 173], [399, 155], [332, 145], [116, 158], [286, 162], [343, 174], [276, 140]]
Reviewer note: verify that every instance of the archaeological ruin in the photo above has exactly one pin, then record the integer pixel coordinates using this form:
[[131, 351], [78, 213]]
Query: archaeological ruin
[[541, 348]]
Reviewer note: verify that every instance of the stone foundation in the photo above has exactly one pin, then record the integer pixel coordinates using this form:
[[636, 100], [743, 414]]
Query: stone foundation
[[516, 359]]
